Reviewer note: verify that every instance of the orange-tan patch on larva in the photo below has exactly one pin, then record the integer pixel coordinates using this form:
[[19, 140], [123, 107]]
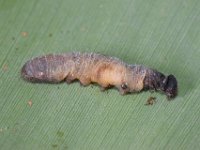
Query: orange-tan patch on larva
[[140, 83], [107, 74], [59, 76], [100, 70], [135, 80]]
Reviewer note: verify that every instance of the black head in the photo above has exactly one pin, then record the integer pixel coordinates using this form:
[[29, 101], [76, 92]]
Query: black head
[[170, 86], [159, 82]]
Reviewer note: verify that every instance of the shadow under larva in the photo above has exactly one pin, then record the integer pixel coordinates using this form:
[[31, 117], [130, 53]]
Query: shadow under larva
[[97, 68]]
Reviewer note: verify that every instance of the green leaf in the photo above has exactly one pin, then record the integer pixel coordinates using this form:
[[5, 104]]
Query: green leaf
[[164, 35]]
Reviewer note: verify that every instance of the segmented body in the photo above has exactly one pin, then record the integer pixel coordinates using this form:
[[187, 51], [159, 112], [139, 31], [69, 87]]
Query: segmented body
[[91, 67]]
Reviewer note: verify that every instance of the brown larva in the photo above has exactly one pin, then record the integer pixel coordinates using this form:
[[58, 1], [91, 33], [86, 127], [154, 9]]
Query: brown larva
[[96, 68]]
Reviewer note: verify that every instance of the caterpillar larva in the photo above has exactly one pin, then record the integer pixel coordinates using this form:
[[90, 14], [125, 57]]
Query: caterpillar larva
[[96, 68]]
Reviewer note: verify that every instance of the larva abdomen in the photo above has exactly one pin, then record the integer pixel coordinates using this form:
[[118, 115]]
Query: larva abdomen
[[49, 68], [104, 70]]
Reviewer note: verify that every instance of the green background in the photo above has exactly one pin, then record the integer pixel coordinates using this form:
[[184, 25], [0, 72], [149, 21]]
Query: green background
[[161, 34]]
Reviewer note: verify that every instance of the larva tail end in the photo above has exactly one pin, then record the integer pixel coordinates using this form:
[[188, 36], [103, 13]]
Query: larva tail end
[[171, 87], [32, 75], [26, 74]]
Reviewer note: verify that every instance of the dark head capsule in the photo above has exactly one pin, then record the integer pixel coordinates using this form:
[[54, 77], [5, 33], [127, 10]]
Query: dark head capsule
[[171, 86], [159, 82]]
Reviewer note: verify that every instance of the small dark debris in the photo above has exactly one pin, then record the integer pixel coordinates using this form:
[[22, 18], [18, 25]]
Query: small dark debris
[[13, 38], [151, 100]]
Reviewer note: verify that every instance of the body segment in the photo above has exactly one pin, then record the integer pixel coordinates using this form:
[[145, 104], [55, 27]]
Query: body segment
[[96, 68]]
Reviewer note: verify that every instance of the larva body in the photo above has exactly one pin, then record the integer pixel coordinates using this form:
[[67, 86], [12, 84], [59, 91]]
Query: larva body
[[96, 68]]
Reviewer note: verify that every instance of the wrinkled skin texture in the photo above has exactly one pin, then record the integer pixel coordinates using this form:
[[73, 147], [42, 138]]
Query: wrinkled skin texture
[[96, 68]]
